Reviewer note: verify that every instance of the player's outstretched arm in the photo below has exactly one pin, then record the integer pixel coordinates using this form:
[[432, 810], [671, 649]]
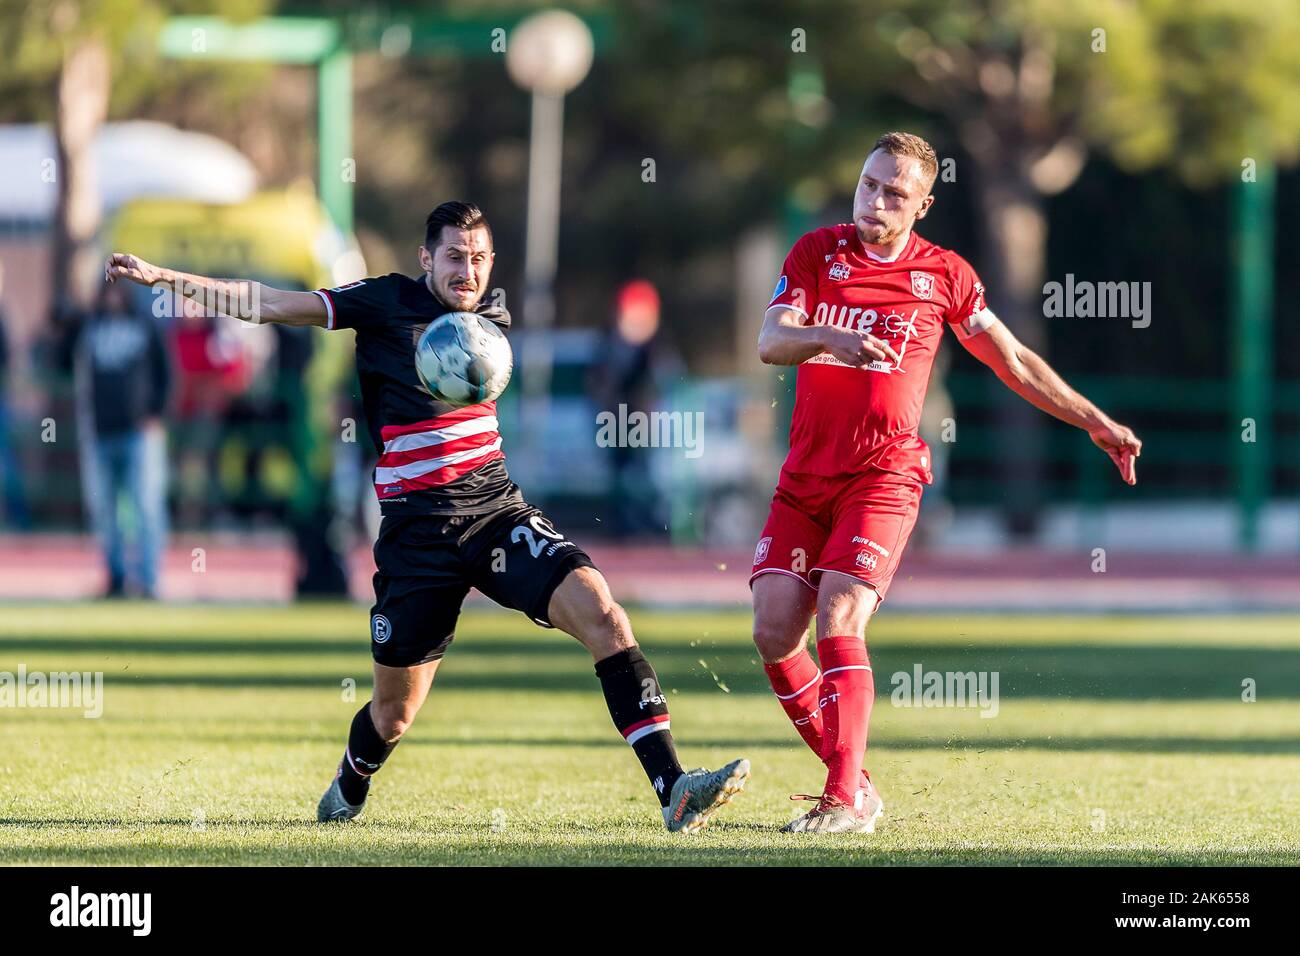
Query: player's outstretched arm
[[241, 299], [784, 340], [1025, 372]]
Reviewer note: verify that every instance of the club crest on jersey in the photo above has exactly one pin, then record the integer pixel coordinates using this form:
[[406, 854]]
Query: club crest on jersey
[[839, 272], [760, 553], [380, 628], [781, 283], [923, 285]]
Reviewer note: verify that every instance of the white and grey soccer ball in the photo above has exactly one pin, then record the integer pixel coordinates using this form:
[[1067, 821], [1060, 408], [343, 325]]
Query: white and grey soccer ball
[[463, 359]]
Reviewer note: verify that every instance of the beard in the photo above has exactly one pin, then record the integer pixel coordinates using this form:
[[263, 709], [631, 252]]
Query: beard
[[882, 234], [448, 298]]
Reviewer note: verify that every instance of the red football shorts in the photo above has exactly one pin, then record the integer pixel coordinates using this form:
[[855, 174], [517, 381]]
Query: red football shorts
[[857, 526]]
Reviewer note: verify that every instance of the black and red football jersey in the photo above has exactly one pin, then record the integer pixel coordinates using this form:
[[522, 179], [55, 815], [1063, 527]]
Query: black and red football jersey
[[434, 458]]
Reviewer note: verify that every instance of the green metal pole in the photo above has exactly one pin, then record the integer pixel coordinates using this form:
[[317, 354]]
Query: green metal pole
[[1252, 365], [805, 82], [334, 122]]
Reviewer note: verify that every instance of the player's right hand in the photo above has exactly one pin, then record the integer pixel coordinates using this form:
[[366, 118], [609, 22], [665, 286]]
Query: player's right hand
[[858, 349], [123, 265]]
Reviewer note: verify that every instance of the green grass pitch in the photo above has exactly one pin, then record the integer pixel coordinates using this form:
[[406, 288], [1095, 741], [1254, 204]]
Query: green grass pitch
[[1117, 740]]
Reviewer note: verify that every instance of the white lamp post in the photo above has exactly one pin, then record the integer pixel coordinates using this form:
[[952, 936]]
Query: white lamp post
[[548, 54]]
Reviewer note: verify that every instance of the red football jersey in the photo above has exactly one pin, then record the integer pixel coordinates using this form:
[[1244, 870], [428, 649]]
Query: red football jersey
[[847, 420]]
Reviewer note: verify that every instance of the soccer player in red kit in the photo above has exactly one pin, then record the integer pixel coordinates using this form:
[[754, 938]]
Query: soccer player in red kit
[[860, 308]]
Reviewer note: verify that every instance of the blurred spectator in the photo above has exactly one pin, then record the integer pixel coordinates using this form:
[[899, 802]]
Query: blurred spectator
[[15, 502], [215, 367], [630, 370], [123, 379]]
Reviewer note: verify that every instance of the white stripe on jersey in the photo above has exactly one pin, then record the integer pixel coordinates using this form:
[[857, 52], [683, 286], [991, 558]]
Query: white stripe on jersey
[[436, 436], [414, 469]]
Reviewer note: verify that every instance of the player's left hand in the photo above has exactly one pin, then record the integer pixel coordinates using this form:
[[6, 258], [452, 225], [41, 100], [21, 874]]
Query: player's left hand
[[1121, 444]]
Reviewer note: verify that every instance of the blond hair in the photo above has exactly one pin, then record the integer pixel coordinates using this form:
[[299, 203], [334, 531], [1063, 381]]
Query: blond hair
[[909, 144]]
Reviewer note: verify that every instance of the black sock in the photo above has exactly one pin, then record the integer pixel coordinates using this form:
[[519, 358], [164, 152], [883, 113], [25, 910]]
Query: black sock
[[366, 753], [640, 711]]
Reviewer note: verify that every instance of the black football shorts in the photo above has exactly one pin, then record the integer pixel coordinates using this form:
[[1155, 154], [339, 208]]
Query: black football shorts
[[427, 564]]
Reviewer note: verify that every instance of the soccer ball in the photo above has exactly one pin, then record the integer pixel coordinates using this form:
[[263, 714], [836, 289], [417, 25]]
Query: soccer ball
[[463, 359]]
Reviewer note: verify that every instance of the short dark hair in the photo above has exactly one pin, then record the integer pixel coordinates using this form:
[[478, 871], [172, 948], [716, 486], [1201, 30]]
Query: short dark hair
[[458, 215]]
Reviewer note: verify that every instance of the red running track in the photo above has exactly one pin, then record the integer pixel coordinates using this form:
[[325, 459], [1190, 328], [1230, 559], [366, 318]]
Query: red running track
[[263, 569]]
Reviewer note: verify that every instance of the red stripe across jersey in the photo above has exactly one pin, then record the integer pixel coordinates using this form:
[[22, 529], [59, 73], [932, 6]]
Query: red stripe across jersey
[[438, 450]]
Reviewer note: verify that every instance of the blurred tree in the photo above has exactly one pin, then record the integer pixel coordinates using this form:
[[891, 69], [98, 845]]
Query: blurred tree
[[1026, 88], [67, 60], [1030, 85]]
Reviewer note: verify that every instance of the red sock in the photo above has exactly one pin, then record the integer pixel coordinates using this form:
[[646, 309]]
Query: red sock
[[846, 695], [796, 682]]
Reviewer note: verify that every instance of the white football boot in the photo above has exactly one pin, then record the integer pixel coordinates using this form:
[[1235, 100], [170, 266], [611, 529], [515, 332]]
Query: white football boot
[[698, 793], [832, 816], [332, 806]]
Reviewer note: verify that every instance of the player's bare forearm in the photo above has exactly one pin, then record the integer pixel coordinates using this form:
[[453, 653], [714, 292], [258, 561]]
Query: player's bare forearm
[[1038, 383], [243, 299], [784, 340], [1029, 376]]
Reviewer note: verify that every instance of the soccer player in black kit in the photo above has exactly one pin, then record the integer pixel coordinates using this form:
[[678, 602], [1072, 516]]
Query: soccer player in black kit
[[453, 519]]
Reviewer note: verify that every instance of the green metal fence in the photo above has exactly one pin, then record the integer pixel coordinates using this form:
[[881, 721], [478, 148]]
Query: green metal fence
[[1193, 443]]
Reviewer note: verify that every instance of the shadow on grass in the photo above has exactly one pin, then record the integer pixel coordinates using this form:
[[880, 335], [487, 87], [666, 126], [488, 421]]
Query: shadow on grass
[[474, 846], [1166, 745], [182, 646], [1075, 672], [962, 744]]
